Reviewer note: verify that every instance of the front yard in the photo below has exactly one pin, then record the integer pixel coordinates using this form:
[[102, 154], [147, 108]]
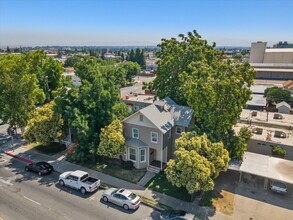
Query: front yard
[[113, 167], [160, 184], [50, 149]]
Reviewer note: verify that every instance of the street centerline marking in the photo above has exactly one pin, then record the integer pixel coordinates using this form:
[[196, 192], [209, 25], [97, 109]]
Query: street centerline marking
[[32, 200]]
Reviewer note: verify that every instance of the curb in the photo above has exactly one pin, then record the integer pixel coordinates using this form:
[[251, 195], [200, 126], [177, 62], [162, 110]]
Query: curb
[[19, 157], [152, 206]]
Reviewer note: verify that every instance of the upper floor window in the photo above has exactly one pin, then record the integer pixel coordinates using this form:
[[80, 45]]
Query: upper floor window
[[135, 133], [154, 137], [178, 130], [141, 117]]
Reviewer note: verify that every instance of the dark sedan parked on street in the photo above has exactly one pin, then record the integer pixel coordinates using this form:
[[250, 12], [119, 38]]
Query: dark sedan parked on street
[[40, 167]]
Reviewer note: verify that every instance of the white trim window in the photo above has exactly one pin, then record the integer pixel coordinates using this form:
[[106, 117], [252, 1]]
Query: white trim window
[[154, 137], [178, 130], [142, 155], [135, 133], [132, 154]]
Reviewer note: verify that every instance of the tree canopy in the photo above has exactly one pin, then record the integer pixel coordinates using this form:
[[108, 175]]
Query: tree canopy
[[276, 95], [197, 162], [19, 90], [45, 125], [137, 56], [111, 140], [193, 73], [92, 106]]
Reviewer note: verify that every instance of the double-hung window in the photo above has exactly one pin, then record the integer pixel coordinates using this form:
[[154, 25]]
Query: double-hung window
[[132, 154], [154, 137], [142, 155], [135, 133], [178, 130]]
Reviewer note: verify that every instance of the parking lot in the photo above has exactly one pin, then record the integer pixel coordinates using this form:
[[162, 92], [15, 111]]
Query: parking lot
[[252, 201]]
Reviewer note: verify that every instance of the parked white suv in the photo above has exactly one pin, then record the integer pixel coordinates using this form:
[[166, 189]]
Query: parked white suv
[[278, 187]]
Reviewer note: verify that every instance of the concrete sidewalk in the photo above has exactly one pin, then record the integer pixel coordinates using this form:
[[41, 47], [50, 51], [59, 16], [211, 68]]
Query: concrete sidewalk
[[60, 165]]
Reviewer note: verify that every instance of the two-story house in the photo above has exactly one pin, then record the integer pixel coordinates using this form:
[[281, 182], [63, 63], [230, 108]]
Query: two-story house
[[151, 132]]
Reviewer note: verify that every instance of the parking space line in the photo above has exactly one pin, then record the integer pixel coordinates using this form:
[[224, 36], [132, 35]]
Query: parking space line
[[32, 200]]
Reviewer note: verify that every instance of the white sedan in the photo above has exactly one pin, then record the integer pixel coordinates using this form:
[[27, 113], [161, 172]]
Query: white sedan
[[122, 197]]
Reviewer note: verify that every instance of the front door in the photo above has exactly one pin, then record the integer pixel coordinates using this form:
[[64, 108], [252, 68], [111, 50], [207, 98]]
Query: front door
[[152, 155]]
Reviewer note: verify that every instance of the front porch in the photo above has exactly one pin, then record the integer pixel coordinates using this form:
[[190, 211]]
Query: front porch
[[156, 166]]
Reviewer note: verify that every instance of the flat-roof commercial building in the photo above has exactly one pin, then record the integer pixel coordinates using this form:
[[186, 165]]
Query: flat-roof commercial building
[[273, 63], [269, 129]]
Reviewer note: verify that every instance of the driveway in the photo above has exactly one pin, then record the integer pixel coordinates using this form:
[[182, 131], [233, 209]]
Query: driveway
[[252, 201]]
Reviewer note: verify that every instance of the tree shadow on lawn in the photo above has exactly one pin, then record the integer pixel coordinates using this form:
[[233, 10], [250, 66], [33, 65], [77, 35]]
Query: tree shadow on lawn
[[50, 149], [114, 168]]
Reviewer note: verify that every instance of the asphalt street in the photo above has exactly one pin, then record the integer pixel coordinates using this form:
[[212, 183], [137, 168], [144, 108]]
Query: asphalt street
[[26, 196], [137, 87]]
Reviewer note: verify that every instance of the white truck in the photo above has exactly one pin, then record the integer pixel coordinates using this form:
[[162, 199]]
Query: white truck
[[79, 180]]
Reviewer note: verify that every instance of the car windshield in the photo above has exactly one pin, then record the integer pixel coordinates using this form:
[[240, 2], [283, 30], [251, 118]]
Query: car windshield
[[279, 184], [132, 196], [84, 177], [114, 192]]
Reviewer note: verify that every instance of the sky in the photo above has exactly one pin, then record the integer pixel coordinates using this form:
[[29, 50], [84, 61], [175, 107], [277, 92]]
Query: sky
[[143, 22]]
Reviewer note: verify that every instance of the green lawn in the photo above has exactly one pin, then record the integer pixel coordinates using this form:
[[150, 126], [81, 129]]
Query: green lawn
[[49, 149], [113, 167], [160, 184]]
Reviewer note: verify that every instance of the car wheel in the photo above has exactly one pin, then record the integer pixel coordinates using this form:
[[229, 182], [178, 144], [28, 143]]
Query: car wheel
[[61, 182], [82, 190], [26, 169], [125, 207], [105, 199]]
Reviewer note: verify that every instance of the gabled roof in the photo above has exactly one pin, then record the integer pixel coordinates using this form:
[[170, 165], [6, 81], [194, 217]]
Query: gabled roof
[[161, 118], [164, 114], [283, 104]]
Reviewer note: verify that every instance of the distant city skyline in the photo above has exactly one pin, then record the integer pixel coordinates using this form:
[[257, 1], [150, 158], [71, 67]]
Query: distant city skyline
[[142, 22]]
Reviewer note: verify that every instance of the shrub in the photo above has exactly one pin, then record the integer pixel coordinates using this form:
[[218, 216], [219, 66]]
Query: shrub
[[278, 151], [128, 165]]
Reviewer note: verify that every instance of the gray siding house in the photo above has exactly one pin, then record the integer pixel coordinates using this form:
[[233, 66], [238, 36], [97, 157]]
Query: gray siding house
[[150, 133]]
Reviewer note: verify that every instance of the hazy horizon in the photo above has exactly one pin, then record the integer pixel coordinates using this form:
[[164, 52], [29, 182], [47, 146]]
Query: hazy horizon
[[142, 23]]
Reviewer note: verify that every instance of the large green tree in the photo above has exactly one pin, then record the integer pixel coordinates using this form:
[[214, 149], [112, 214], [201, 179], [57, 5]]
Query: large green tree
[[111, 140], [193, 73], [275, 95], [132, 69], [92, 106], [45, 125], [197, 162], [19, 90], [236, 144]]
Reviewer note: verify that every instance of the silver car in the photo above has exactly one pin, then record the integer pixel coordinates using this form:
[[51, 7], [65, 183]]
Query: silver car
[[122, 197]]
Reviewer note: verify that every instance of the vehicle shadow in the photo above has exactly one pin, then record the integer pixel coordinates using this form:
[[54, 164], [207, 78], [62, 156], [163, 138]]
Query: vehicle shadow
[[111, 205], [74, 191], [18, 168]]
